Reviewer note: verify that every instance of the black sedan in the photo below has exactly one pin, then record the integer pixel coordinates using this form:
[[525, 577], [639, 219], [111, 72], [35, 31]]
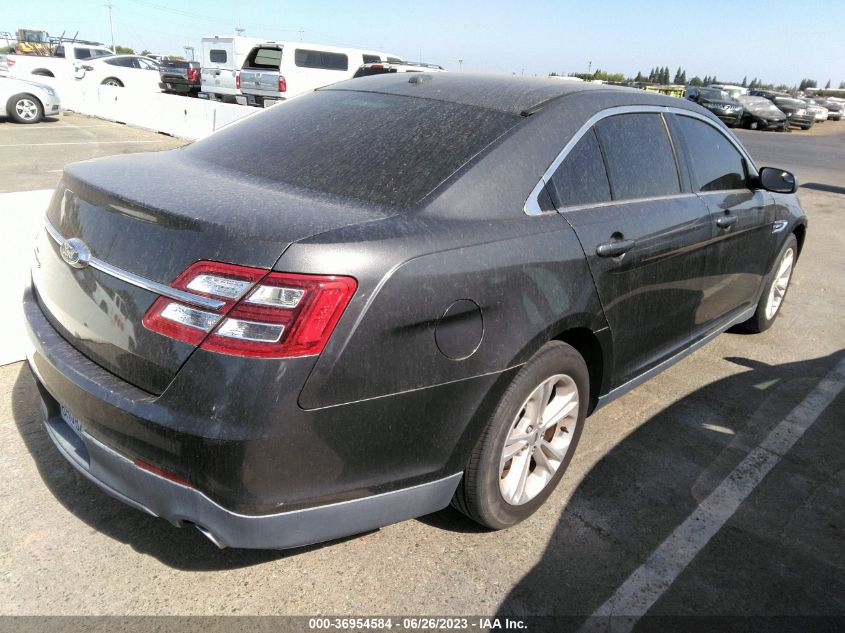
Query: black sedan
[[719, 102], [796, 111], [388, 295], [761, 114]]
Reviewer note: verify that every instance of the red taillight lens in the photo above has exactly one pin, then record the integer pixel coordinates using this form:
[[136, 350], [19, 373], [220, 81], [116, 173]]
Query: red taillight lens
[[140, 463], [283, 84], [194, 75], [238, 81], [10, 62], [270, 315]]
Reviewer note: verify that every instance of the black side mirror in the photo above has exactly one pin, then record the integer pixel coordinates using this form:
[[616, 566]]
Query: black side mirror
[[778, 180]]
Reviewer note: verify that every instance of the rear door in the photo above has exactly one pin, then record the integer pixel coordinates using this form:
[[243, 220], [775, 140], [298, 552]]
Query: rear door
[[742, 219], [260, 74], [218, 66], [643, 233]]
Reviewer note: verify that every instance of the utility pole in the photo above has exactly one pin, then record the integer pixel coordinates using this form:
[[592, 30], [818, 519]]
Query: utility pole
[[240, 30], [189, 50], [111, 26], [589, 67], [460, 65], [300, 31]]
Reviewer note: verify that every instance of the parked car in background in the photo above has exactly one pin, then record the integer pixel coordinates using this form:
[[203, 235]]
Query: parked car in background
[[133, 72], [274, 71], [732, 90], [795, 110], [386, 67], [393, 294], [222, 58], [835, 109], [179, 77], [761, 114], [27, 101], [819, 112], [718, 102], [59, 65]]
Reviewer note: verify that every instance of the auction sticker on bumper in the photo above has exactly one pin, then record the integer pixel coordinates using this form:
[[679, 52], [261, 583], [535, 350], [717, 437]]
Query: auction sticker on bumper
[[72, 421]]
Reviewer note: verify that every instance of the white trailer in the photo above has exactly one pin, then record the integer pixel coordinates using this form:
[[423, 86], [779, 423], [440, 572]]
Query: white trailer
[[222, 58]]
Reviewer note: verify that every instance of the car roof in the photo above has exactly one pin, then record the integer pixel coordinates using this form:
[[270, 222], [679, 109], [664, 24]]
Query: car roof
[[505, 93]]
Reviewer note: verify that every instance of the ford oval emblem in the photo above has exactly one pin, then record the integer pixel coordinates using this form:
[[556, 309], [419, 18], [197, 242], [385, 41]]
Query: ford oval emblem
[[75, 253]]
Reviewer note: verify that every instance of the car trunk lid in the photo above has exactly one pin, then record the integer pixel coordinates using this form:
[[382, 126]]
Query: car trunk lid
[[151, 216]]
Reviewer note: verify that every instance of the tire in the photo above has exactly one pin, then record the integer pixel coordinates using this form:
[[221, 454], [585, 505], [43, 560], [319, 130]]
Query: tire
[[806, 127], [775, 289], [111, 81], [25, 108], [490, 492]]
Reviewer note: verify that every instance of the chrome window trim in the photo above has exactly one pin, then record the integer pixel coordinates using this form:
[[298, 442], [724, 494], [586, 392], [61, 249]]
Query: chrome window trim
[[137, 280], [532, 205]]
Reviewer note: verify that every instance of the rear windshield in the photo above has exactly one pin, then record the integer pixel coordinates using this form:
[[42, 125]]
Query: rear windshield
[[376, 147]]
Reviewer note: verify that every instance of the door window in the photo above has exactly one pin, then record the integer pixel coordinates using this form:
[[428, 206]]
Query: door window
[[639, 157], [581, 177], [716, 163]]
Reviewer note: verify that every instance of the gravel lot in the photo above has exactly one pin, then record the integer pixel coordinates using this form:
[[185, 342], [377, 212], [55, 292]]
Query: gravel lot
[[646, 463]]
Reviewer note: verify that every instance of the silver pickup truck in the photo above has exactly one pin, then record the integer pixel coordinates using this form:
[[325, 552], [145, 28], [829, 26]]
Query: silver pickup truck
[[274, 71]]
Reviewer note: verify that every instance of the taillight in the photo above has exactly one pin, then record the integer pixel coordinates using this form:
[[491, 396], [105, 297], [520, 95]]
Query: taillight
[[10, 62], [262, 314], [283, 84], [238, 81], [194, 74]]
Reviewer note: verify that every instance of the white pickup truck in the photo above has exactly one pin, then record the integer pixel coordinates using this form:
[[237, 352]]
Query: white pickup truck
[[274, 71], [58, 65]]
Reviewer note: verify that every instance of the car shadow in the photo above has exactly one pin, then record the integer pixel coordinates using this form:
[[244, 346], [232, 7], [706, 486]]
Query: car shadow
[[46, 119], [629, 502], [818, 186], [184, 549]]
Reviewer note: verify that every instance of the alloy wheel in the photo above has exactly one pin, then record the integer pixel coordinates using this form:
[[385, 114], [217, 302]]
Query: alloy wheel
[[780, 284], [26, 109], [539, 439]]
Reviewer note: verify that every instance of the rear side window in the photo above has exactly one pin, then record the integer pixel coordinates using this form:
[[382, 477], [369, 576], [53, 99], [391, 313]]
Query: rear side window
[[716, 163], [371, 59], [639, 157], [82, 53], [218, 56], [266, 58], [376, 147], [581, 177], [321, 59]]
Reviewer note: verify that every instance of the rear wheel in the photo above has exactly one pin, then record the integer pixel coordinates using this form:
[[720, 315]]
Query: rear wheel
[[529, 441], [25, 108], [111, 81], [776, 286]]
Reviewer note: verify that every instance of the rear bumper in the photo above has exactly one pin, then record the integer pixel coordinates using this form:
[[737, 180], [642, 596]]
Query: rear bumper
[[121, 478], [334, 471]]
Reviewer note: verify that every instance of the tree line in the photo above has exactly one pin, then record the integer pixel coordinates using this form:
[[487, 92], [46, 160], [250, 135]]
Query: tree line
[[661, 75]]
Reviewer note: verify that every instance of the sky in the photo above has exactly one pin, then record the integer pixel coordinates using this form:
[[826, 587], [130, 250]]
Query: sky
[[776, 41]]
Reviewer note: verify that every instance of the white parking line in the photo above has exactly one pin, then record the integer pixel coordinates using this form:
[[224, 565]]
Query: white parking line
[[79, 143], [644, 587]]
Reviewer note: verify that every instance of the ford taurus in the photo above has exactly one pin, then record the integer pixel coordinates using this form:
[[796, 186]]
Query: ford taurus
[[388, 295]]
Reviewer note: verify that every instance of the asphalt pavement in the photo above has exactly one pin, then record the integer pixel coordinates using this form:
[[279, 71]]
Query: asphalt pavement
[[714, 489]]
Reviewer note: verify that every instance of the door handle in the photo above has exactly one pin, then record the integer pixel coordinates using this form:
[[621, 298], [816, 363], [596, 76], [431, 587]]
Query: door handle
[[615, 248], [726, 221]]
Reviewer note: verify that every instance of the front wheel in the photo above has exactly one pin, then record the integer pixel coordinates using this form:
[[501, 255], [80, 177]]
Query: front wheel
[[111, 81], [529, 441], [775, 289], [25, 109]]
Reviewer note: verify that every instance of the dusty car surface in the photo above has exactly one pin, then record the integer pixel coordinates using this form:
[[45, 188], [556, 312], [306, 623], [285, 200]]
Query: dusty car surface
[[761, 114], [419, 305]]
